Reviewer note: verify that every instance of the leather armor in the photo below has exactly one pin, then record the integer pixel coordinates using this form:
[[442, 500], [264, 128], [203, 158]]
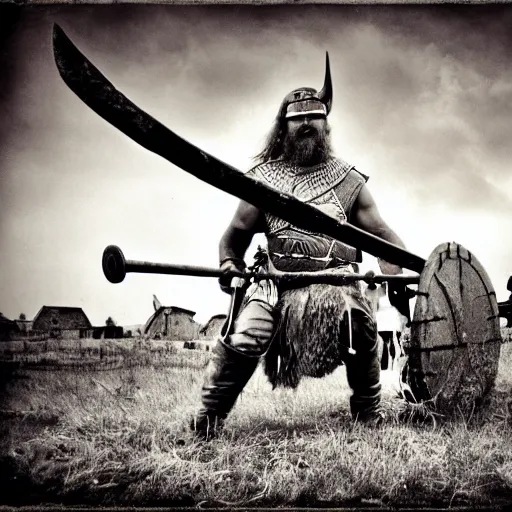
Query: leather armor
[[334, 182]]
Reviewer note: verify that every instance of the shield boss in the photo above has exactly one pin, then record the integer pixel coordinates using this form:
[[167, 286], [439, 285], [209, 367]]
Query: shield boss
[[455, 333]]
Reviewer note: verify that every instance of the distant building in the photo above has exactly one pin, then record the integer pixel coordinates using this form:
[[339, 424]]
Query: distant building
[[134, 329], [108, 332], [8, 328], [24, 326], [211, 330], [172, 323], [62, 322]]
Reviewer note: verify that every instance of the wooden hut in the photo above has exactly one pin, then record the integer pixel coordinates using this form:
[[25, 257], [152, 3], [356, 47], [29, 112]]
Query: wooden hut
[[107, 332], [172, 323], [62, 322], [25, 326], [8, 328], [211, 330]]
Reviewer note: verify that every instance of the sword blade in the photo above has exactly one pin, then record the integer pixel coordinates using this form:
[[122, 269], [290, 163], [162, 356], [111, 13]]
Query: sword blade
[[87, 82]]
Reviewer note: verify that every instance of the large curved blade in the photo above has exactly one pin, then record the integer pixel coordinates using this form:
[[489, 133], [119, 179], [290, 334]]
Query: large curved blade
[[100, 95]]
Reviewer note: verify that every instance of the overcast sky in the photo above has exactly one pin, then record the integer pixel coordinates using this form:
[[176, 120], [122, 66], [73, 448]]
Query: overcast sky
[[422, 104]]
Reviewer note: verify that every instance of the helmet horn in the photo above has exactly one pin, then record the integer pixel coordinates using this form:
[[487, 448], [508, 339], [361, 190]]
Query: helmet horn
[[325, 95]]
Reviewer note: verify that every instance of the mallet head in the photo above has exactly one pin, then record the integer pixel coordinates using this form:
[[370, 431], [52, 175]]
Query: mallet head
[[114, 264]]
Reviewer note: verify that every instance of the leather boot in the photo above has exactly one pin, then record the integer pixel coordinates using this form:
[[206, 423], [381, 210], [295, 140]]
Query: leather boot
[[227, 374]]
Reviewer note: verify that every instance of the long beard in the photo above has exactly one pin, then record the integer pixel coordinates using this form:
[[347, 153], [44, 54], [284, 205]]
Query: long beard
[[307, 150]]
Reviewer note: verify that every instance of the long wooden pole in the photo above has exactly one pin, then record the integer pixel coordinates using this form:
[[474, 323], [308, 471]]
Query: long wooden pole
[[115, 268]]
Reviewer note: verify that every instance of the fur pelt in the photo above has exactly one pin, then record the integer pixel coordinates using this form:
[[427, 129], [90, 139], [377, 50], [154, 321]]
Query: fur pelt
[[311, 337]]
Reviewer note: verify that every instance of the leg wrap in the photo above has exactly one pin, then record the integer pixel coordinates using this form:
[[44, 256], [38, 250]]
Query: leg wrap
[[233, 363], [226, 376], [363, 368]]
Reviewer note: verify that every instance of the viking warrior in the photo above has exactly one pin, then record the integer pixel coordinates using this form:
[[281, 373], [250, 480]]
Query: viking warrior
[[309, 330], [298, 330]]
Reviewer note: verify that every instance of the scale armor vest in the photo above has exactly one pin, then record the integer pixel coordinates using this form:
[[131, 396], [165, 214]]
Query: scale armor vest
[[294, 249]]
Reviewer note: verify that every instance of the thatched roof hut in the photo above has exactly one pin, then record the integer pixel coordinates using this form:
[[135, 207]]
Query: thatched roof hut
[[172, 323], [211, 329]]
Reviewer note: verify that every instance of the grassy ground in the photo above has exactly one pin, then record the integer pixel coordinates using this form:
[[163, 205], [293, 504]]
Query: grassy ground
[[120, 437]]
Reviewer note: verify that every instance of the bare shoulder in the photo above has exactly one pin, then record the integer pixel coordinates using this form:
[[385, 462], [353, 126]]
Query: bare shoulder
[[364, 199]]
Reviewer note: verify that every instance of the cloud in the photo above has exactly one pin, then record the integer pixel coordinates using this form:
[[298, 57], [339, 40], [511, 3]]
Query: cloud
[[422, 104]]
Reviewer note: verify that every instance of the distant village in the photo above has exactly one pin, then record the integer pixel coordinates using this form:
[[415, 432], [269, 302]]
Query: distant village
[[64, 322]]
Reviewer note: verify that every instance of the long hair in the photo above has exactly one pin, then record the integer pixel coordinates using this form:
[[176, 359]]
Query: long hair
[[274, 144]]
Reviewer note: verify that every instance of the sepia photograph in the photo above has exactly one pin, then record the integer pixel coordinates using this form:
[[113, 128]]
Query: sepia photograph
[[255, 256]]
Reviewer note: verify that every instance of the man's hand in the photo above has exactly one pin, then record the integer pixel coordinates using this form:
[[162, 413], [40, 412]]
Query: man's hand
[[230, 264], [389, 268], [398, 293], [399, 296]]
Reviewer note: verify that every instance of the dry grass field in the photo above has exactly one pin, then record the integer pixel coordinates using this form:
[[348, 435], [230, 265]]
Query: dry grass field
[[119, 437]]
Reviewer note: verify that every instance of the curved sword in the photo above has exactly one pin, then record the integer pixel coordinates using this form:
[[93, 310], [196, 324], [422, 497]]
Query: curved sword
[[86, 81]]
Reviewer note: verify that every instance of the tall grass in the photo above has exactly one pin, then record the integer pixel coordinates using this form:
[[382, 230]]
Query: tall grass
[[80, 354], [121, 437]]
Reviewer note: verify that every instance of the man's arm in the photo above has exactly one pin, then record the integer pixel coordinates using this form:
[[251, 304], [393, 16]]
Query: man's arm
[[366, 216], [246, 222], [233, 245]]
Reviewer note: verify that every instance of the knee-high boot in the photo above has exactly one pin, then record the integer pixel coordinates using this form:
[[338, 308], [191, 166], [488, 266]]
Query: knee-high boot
[[363, 368], [227, 374]]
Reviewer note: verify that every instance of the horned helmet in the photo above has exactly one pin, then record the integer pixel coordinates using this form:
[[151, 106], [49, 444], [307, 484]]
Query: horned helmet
[[308, 101]]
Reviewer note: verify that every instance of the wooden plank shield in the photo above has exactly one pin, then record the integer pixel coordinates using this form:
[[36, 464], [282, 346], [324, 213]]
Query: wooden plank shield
[[455, 333]]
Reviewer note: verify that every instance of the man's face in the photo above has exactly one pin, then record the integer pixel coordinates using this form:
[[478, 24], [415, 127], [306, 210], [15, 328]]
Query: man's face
[[306, 141], [304, 127]]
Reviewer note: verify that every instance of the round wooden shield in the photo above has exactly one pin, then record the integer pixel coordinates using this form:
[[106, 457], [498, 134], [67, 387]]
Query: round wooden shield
[[455, 332]]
